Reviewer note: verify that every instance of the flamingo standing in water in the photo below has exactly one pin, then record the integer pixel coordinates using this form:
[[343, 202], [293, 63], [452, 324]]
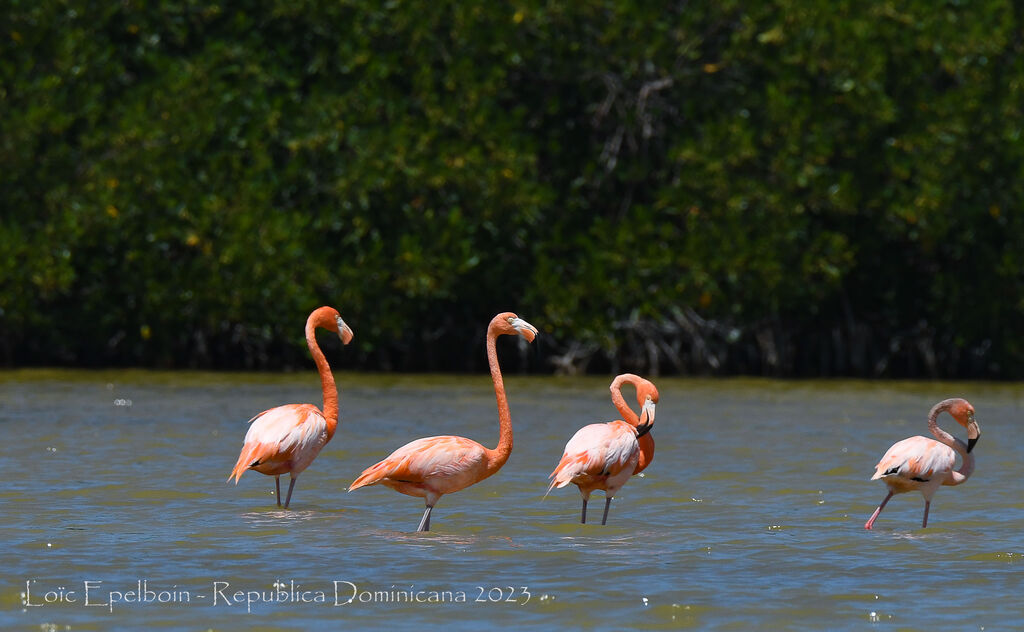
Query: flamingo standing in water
[[434, 466], [604, 456], [924, 464], [286, 439]]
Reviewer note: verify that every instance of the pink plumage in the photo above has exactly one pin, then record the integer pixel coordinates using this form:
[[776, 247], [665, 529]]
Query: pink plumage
[[282, 440], [429, 467], [923, 464], [433, 466], [286, 439], [605, 455], [608, 450]]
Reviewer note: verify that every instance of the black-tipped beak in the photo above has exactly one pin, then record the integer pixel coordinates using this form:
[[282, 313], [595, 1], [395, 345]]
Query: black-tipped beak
[[646, 421], [973, 433]]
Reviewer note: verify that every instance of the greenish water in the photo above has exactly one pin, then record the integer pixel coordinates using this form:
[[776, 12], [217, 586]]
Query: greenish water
[[750, 517]]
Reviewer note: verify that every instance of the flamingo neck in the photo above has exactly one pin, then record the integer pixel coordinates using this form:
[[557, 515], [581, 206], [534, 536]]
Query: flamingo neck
[[646, 444], [967, 466], [497, 457], [619, 401], [330, 390]]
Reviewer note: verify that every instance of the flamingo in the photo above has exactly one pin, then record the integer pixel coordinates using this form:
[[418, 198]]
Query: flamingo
[[923, 464], [605, 455], [434, 466], [288, 438]]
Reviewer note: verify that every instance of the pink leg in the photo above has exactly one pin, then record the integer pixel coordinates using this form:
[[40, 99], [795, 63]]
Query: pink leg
[[927, 504], [607, 504], [583, 518], [871, 520], [291, 486], [425, 520], [277, 481]]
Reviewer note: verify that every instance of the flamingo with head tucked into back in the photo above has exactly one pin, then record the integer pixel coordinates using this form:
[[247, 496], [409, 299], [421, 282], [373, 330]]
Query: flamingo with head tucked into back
[[924, 464], [605, 455], [433, 466], [286, 439]]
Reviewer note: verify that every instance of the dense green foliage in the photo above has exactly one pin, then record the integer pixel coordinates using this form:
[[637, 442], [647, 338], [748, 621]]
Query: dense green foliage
[[789, 187]]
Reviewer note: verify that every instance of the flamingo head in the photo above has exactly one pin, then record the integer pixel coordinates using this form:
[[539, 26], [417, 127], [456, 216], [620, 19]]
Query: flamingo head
[[647, 397], [330, 319], [963, 412], [509, 323]]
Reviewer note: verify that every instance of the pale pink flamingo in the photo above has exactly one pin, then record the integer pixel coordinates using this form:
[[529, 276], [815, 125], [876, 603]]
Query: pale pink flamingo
[[286, 439], [605, 455], [924, 464], [434, 466]]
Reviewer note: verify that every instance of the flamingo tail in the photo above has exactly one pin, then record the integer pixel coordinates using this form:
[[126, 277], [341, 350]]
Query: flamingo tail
[[245, 460], [371, 475], [565, 471]]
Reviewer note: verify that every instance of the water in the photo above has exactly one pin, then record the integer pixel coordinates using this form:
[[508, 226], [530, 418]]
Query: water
[[750, 517]]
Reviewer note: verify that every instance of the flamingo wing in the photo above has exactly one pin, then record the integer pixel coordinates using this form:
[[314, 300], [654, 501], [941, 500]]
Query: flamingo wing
[[597, 450], [425, 460], [917, 459], [286, 436]]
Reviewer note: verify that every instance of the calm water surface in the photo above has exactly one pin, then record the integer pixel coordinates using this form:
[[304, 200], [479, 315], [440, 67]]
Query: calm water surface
[[750, 517]]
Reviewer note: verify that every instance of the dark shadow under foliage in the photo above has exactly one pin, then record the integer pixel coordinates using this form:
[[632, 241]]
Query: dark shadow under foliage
[[784, 188]]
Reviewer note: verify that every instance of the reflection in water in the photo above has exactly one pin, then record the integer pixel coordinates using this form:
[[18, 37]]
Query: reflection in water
[[755, 485], [278, 517]]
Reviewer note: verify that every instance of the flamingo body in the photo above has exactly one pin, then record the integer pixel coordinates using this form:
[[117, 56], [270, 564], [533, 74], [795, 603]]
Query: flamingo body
[[286, 439], [433, 466], [598, 456], [917, 463], [923, 464], [282, 440], [604, 456], [429, 467]]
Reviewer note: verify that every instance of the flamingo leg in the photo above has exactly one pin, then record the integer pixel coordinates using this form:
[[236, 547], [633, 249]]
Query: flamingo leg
[[927, 504], [277, 481], [607, 504], [425, 520], [583, 518], [871, 520], [291, 486]]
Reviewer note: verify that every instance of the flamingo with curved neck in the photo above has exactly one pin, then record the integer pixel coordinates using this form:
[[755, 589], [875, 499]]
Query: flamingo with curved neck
[[604, 455], [287, 438], [433, 466], [924, 464]]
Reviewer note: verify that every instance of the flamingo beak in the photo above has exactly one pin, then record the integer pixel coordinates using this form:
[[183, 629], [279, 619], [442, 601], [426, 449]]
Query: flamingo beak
[[344, 332], [973, 433], [646, 418], [524, 329]]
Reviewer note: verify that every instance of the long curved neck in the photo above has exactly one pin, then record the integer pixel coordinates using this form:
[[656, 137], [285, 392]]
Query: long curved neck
[[967, 467], [619, 401], [326, 379], [497, 457]]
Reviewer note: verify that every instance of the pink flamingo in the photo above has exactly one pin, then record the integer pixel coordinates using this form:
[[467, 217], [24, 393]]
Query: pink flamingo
[[434, 466], [925, 464], [604, 456], [288, 438]]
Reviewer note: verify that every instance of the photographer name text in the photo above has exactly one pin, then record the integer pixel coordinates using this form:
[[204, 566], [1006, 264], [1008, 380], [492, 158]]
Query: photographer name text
[[223, 594]]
